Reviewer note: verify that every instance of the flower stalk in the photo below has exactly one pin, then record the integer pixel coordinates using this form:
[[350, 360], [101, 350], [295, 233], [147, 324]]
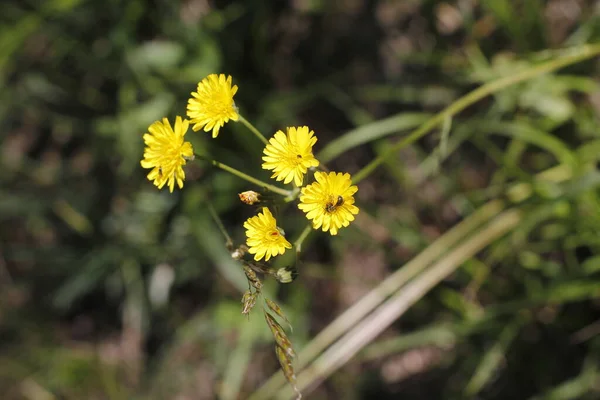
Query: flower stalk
[[252, 129], [244, 176]]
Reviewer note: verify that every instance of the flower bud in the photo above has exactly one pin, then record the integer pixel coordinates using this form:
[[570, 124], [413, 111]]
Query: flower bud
[[249, 197], [286, 275]]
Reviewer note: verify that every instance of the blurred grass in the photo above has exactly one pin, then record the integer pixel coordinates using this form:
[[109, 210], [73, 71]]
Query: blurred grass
[[88, 247]]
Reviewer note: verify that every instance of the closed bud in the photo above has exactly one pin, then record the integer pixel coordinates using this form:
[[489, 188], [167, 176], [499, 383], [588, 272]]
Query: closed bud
[[249, 197], [287, 274]]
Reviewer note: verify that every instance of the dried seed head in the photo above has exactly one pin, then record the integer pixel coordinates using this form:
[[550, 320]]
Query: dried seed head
[[259, 267], [238, 253], [252, 277], [249, 197], [288, 370], [248, 301], [279, 335], [277, 310]]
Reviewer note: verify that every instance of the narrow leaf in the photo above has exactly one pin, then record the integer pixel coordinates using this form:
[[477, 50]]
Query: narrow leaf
[[277, 310], [279, 335], [288, 370]]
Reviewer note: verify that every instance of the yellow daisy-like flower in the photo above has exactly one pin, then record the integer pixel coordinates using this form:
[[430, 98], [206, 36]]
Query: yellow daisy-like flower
[[329, 202], [264, 238], [290, 156], [166, 152], [212, 105]]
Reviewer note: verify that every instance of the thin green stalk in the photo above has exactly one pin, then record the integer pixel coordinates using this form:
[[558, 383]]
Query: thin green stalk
[[298, 243], [253, 130], [381, 318], [246, 177], [576, 55], [301, 238], [215, 216]]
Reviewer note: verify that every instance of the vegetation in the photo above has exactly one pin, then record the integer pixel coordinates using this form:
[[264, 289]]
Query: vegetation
[[471, 271]]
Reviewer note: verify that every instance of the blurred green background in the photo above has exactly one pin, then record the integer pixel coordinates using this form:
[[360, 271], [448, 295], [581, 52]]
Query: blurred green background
[[111, 289]]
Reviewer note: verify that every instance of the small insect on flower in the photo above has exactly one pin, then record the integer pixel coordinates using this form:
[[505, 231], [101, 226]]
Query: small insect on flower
[[264, 238], [330, 207], [166, 152], [211, 105], [329, 202]]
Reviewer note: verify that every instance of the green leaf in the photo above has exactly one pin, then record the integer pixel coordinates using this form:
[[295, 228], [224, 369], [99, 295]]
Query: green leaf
[[369, 132]]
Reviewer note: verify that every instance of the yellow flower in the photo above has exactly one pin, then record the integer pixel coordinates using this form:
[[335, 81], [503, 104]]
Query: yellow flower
[[212, 104], [290, 156], [166, 152], [329, 202], [264, 238]]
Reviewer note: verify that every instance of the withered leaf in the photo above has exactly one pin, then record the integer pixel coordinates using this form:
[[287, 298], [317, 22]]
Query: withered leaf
[[279, 335], [248, 301], [277, 310], [288, 370], [259, 267], [252, 277]]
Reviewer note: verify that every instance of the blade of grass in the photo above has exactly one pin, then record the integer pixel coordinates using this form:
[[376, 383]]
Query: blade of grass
[[528, 133], [369, 132], [238, 363], [392, 284], [381, 318], [441, 336], [577, 54], [575, 388], [492, 359]]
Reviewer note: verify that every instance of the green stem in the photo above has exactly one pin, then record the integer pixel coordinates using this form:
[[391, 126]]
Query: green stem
[[246, 177], [215, 216], [253, 129], [301, 238], [580, 54]]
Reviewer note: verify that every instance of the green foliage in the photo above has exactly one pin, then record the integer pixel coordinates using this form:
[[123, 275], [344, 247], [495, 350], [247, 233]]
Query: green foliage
[[112, 289]]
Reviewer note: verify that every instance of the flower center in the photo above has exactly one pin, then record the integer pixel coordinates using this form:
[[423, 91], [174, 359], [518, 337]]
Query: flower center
[[223, 105], [333, 203], [294, 157], [273, 236]]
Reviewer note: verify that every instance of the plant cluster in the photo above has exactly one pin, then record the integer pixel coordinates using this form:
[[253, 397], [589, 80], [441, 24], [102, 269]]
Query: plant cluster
[[328, 201]]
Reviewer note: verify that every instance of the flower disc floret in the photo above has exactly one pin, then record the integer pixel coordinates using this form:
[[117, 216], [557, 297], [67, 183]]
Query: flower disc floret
[[290, 155], [264, 238], [329, 202], [166, 152], [211, 105]]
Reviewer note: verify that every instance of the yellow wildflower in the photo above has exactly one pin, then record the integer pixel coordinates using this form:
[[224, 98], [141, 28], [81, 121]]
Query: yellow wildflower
[[290, 156], [212, 105], [329, 202], [166, 152], [264, 238]]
